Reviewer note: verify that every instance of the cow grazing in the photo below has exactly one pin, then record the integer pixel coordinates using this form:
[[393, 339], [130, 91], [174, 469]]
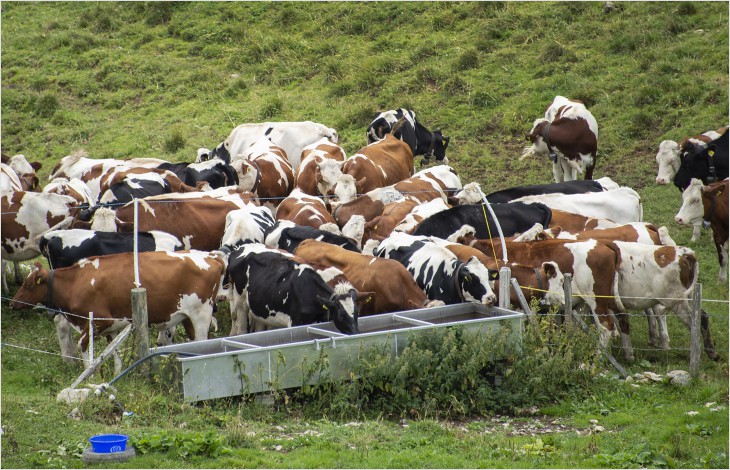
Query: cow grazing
[[513, 217], [394, 287], [215, 172], [303, 209], [402, 124], [264, 170], [568, 135], [25, 217], [247, 225], [708, 204], [102, 285], [293, 137], [63, 248], [286, 235], [274, 290], [376, 165], [319, 169], [622, 205], [438, 271]]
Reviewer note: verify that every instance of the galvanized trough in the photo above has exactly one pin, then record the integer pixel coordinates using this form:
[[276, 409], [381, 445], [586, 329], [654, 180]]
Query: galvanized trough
[[286, 358]]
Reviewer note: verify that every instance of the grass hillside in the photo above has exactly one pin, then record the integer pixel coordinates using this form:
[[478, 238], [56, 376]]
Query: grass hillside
[[161, 79]]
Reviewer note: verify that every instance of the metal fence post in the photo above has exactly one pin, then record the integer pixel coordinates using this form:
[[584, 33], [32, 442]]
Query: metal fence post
[[504, 275], [695, 345]]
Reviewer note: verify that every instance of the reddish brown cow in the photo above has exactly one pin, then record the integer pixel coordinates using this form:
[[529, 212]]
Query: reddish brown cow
[[265, 170], [319, 169], [185, 287], [394, 287], [377, 165], [303, 209]]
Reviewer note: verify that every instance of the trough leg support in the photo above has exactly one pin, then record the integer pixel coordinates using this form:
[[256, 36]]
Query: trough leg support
[[521, 297], [695, 341], [104, 354]]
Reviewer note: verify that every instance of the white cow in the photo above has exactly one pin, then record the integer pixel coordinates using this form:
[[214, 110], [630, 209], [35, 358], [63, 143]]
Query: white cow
[[291, 136], [622, 205]]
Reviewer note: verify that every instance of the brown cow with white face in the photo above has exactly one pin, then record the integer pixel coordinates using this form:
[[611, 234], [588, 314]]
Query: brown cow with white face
[[303, 209], [319, 169], [265, 170], [568, 135], [377, 165], [102, 285], [25, 170]]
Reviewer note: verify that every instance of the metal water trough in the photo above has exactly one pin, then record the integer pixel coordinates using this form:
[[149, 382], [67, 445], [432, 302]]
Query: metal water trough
[[284, 358]]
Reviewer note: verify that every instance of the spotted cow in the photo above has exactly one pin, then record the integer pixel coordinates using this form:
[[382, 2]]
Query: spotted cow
[[402, 124]]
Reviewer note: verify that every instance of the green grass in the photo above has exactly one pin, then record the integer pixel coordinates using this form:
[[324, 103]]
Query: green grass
[[162, 79]]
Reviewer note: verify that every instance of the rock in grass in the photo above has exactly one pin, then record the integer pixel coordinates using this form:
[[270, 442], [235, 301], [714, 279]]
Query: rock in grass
[[679, 377]]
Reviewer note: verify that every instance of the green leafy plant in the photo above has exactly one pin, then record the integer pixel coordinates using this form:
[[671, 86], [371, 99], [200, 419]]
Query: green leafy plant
[[182, 445]]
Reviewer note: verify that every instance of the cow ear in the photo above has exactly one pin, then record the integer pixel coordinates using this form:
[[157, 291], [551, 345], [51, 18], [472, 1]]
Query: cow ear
[[550, 269], [323, 301], [361, 182], [366, 297], [38, 265], [36, 165]]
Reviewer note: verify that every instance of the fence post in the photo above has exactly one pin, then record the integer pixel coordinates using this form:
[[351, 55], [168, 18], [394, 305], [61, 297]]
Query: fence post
[[139, 320], [521, 297], [90, 350], [504, 275], [695, 341], [568, 291]]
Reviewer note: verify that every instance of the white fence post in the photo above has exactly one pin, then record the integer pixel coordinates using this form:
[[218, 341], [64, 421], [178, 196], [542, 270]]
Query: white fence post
[[139, 299]]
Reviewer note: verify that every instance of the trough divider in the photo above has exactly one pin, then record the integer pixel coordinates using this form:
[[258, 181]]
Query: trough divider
[[321, 332], [412, 321], [238, 345], [521, 297]]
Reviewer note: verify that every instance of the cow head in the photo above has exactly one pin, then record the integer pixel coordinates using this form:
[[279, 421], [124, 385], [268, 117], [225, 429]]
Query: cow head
[[555, 294], [342, 309], [668, 160], [355, 229], [437, 148], [327, 173], [33, 291], [471, 193], [345, 189], [221, 151], [692, 209], [248, 174], [473, 280], [538, 147]]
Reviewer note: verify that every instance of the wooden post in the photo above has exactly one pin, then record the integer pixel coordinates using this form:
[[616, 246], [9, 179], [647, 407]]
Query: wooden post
[[568, 291], [139, 320], [104, 354], [695, 336], [521, 297], [504, 275]]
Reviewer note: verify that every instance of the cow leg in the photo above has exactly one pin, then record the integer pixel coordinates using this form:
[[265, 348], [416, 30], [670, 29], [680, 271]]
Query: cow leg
[[661, 316], [557, 172], [696, 233], [682, 309], [623, 326], [722, 253], [63, 333], [18, 275], [6, 289], [239, 312], [652, 327]]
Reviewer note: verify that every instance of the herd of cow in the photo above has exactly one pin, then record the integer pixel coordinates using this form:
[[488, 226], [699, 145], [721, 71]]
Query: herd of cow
[[278, 221]]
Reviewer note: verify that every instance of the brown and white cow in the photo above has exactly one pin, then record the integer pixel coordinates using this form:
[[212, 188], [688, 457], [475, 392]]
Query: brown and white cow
[[25, 170], [708, 204], [377, 165], [265, 170], [9, 180], [303, 209], [319, 169], [25, 217], [74, 187], [568, 135], [102, 285], [199, 223], [394, 287]]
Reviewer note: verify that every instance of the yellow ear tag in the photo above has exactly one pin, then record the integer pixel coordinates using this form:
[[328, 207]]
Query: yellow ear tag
[[711, 153], [325, 307], [38, 281]]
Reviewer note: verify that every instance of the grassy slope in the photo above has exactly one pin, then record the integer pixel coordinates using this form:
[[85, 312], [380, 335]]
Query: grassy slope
[[133, 79]]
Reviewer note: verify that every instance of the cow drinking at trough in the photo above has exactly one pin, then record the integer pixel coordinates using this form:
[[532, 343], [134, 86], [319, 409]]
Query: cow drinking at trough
[[438, 271], [403, 125], [184, 283], [272, 289], [568, 135]]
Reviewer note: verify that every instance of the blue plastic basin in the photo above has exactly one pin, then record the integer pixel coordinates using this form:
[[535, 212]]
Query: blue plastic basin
[[108, 443]]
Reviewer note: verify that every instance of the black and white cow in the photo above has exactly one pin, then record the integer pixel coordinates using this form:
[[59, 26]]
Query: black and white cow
[[419, 139], [247, 225], [513, 217], [438, 271], [63, 248], [135, 186], [565, 187], [274, 290], [287, 235], [215, 172], [708, 164]]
